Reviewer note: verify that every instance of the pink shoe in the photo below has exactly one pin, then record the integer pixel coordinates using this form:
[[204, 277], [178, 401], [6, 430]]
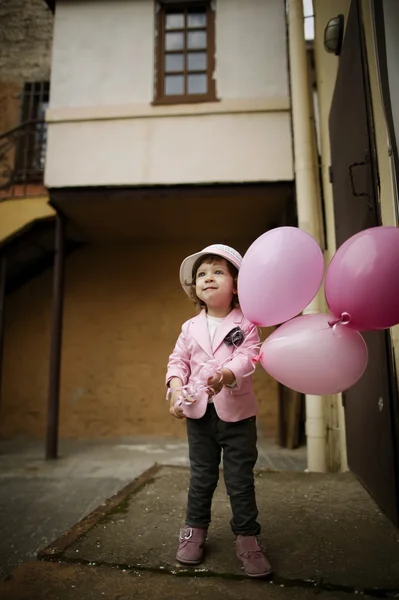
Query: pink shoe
[[191, 546], [251, 554]]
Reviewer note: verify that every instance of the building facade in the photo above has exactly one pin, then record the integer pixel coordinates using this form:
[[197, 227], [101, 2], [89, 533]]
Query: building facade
[[168, 128]]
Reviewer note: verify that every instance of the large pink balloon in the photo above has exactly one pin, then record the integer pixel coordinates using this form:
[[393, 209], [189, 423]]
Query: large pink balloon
[[309, 356], [280, 275], [363, 279]]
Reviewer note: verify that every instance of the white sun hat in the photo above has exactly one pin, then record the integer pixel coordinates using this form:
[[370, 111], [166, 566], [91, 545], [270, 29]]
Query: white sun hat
[[219, 249]]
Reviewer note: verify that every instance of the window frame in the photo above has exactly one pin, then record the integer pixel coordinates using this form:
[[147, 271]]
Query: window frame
[[32, 141], [160, 52]]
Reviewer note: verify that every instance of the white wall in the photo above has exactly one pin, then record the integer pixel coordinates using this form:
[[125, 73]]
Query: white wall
[[199, 149], [103, 52], [251, 56], [102, 121]]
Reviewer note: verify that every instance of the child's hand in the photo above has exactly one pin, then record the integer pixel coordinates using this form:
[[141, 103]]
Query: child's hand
[[215, 384], [177, 412], [217, 381], [175, 408]]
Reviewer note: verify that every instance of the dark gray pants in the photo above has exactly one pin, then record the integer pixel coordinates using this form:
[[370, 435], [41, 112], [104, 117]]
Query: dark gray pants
[[207, 437]]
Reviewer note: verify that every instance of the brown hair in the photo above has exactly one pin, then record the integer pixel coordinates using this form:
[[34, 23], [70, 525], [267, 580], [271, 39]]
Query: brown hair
[[210, 259]]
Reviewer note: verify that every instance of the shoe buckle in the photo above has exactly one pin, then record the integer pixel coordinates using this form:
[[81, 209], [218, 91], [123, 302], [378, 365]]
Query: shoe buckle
[[188, 533]]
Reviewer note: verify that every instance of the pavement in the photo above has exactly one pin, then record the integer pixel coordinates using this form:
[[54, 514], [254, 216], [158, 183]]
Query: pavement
[[65, 582], [40, 499], [323, 534]]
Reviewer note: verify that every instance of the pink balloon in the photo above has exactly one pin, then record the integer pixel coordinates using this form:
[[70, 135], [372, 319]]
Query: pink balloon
[[363, 279], [280, 275], [309, 356]]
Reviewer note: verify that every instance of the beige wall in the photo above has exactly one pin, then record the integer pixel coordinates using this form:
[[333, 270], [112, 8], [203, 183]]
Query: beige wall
[[16, 214], [101, 117], [123, 311], [326, 72], [228, 146]]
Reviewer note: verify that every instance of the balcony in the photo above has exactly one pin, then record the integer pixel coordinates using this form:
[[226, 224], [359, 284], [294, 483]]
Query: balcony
[[22, 157], [23, 197]]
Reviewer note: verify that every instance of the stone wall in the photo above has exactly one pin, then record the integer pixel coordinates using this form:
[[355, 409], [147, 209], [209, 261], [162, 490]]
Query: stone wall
[[25, 52]]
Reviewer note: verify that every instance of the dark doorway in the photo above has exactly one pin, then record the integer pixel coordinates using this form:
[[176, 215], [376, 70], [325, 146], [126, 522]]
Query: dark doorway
[[370, 405]]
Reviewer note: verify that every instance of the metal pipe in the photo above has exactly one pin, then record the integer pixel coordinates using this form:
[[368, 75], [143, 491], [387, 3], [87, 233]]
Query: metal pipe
[[308, 206], [56, 340], [3, 277]]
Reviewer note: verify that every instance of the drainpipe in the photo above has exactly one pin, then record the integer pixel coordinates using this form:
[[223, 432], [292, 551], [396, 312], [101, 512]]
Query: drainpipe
[[307, 201], [3, 275], [56, 339]]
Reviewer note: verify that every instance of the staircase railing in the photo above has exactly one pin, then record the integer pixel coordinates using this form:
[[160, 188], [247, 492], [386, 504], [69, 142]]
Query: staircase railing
[[22, 156]]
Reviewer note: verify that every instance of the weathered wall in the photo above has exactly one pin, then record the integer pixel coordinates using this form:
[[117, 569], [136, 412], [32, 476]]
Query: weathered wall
[[25, 52], [25, 56], [123, 311]]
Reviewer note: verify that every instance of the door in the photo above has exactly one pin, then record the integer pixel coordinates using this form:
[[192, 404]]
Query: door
[[369, 405]]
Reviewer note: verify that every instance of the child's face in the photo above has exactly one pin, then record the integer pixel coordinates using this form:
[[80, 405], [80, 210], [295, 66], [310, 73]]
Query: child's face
[[214, 284]]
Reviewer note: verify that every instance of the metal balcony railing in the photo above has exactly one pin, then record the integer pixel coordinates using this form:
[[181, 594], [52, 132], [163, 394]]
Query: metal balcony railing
[[22, 156]]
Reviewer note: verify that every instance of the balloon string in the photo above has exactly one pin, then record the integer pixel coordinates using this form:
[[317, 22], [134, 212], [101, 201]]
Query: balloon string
[[191, 391], [345, 319]]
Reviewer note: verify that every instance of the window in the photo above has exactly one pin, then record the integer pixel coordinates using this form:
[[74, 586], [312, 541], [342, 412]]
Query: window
[[185, 53], [31, 144]]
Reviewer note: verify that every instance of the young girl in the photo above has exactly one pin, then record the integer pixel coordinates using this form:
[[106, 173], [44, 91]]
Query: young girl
[[221, 411]]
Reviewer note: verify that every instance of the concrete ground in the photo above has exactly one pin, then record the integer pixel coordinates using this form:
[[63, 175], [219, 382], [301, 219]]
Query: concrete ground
[[39, 581], [39, 499], [323, 533]]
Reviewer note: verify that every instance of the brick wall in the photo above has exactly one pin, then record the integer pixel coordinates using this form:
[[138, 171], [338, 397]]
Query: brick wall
[[123, 311]]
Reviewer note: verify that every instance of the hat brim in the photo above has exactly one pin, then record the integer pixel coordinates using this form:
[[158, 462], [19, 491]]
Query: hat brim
[[186, 268]]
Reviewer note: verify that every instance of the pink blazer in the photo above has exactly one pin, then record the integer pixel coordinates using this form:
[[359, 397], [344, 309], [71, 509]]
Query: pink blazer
[[193, 348]]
